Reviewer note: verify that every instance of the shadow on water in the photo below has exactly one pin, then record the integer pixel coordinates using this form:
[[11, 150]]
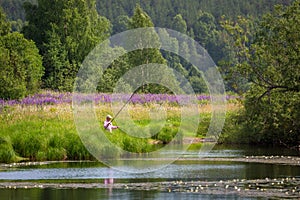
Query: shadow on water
[[250, 150], [183, 170], [98, 194]]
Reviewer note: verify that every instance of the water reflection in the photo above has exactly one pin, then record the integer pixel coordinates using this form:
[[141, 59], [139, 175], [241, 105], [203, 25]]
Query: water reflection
[[188, 170], [99, 194], [180, 170]]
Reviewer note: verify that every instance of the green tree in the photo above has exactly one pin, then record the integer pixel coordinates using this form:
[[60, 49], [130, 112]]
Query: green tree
[[236, 37], [114, 71], [205, 28], [271, 63], [65, 32], [144, 55], [58, 76], [121, 24], [180, 65], [179, 24], [20, 63], [5, 26], [20, 66], [207, 34]]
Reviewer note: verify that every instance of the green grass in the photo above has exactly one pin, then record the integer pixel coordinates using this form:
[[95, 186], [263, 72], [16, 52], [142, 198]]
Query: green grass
[[39, 135], [49, 133]]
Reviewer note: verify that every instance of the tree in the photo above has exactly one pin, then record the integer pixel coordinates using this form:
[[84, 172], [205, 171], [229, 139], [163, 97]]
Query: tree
[[114, 71], [58, 75], [20, 63], [121, 24], [205, 28], [237, 37], [207, 34], [179, 24], [145, 55], [5, 26], [65, 32], [20, 66], [271, 63]]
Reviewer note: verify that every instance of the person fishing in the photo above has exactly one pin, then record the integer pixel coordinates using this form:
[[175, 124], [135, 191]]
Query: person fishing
[[108, 124]]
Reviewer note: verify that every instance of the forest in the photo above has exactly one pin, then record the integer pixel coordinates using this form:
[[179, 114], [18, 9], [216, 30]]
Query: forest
[[255, 44]]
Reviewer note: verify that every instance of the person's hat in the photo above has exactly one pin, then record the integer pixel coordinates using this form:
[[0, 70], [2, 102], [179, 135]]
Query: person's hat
[[108, 116]]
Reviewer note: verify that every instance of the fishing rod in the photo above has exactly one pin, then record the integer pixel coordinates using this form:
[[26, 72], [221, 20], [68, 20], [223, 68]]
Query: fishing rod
[[123, 106], [120, 109]]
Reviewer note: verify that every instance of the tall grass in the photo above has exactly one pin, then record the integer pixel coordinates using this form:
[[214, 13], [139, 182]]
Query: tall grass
[[32, 133], [7, 153], [40, 132]]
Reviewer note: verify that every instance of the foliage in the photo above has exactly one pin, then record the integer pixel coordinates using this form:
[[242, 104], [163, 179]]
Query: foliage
[[270, 62], [5, 25], [239, 36], [179, 24], [20, 64], [162, 12], [187, 16], [144, 56], [21, 67], [114, 72], [65, 32]]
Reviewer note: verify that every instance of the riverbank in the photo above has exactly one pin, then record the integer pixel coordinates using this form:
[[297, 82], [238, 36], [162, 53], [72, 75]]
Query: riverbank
[[42, 128]]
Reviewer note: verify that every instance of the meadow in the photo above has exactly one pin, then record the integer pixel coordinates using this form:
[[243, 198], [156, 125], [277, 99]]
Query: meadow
[[41, 127]]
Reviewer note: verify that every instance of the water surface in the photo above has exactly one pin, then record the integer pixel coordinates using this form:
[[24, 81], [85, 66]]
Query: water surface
[[183, 170]]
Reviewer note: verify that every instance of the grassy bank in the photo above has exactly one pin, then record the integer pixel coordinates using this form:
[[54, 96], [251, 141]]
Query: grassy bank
[[48, 132], [40, 133]]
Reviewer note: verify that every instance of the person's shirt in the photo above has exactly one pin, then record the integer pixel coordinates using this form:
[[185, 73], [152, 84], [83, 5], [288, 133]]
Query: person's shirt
[[108, 125]]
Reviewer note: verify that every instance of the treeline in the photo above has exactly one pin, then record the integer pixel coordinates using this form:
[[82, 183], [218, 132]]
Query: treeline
[[162, 12], [65, 32], [258, 56]]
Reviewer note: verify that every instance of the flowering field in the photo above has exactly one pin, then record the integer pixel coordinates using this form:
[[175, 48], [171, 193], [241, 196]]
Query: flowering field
[[54, 98], [41, 127]]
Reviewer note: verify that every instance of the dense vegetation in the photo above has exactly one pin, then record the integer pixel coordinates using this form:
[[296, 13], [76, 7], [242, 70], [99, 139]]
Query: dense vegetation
[[57, 24], [41, 127], [21, 63], [268, 56], [255, 45]]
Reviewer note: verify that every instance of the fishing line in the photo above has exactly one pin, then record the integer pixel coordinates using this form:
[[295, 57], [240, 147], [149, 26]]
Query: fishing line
[[123, 106]]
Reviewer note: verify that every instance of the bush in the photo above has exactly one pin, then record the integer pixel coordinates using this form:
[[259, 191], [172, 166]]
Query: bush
[[20, 66], [167, 134]]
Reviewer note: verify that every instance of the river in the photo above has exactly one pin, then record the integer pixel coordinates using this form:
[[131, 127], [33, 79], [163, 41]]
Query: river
[[226, 172]]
